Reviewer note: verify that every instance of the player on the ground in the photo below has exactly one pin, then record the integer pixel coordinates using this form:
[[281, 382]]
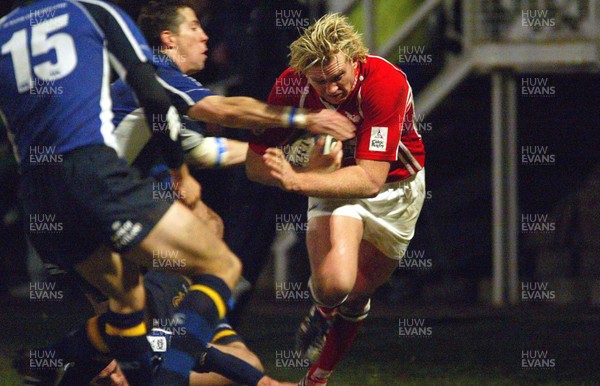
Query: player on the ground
[[233, 362], [87, 210], [361, 216]]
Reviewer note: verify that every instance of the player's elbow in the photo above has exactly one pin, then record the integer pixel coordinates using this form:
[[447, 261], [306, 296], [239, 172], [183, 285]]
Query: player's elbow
[[372, 189]]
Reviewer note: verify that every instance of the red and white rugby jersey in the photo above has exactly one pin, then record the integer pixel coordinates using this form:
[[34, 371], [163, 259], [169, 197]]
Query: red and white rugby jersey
[[381, 107]]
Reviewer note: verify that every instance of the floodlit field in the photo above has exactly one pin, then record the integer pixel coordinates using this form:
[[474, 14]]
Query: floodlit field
[[449, 345]]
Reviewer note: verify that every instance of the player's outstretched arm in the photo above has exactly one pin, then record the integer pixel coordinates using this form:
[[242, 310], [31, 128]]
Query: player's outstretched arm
[[245, 112]]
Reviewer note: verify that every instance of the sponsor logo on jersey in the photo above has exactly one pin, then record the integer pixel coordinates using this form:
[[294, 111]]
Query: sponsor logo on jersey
[[378, 140]]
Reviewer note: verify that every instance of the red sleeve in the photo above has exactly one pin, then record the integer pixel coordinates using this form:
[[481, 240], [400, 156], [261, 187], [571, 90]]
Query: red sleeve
[[285, 92], [383, 105]]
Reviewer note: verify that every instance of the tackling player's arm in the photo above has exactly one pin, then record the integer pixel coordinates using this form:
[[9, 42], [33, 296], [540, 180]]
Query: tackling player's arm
[[245, 112]]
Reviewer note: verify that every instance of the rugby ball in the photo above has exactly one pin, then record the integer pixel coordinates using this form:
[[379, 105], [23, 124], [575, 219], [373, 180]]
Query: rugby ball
[[298, 152]]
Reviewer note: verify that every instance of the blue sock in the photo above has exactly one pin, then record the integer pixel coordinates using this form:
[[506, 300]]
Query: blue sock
[[102, 338], [125, 334], [225, 334], [201, 310]]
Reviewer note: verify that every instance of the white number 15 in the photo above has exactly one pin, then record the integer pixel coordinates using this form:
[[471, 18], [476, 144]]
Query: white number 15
[[42, 43]]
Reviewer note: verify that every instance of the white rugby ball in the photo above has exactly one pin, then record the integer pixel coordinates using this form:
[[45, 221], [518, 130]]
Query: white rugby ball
[[298, 152]]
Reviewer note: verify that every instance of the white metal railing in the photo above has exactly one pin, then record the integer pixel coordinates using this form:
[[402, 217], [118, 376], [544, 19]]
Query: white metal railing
[[531, 21]]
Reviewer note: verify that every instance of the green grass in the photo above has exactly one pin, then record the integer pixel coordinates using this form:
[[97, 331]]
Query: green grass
[[485, 351], [482, 349]]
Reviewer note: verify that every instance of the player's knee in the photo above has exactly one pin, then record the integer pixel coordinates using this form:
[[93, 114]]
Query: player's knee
[[333, 290], [230, 268]]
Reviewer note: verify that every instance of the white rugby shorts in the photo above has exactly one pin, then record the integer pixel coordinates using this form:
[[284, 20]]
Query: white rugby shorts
[[389, 219]]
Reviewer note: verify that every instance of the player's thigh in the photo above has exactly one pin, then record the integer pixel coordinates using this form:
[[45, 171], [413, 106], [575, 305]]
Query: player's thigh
[[115, 277], [374, 270], [183, 243], [209, 217], [333, 243]]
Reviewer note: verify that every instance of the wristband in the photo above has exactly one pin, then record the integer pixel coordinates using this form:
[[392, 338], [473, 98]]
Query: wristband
[[293, 118], [299, 119], [285, 116]]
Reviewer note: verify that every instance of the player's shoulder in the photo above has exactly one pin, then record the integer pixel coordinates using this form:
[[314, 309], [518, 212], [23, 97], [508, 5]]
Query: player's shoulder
[[169, 72], [377, 69], [382, 81]]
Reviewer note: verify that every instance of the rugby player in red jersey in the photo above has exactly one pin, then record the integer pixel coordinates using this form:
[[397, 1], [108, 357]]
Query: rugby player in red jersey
[[361, 216]]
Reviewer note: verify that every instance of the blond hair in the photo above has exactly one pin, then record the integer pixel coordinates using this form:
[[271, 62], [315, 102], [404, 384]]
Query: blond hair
[[329, 35]]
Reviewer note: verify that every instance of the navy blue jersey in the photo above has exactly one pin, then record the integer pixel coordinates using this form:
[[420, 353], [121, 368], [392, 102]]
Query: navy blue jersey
[[55, 65], [128, 119]]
